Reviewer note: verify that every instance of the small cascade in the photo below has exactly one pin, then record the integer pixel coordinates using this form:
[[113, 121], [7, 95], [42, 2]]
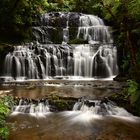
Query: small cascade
[[90, 61], [66, 31], [103, 107], [40, 107], [38, 62], [98, 60], [92, 28], [44, 59]]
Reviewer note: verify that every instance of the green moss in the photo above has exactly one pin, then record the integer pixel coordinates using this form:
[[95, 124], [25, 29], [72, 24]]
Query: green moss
[[4, 47], [6, 103], [61, 103], [123, 100]]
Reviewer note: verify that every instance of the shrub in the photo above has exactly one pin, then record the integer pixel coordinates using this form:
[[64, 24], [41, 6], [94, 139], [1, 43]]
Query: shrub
[[5, 105]]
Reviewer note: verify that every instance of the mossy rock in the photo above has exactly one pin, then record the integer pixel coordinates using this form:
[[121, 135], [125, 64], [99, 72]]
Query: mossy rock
[[122, 100], [61, 103], [4, 47]]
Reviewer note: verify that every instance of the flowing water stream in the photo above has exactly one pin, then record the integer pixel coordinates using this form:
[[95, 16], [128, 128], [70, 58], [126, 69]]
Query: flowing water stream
[[92, 117], [95, 57]]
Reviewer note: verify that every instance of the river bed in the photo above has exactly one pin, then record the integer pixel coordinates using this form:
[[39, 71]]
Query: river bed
[[70, 125], [74, 126]]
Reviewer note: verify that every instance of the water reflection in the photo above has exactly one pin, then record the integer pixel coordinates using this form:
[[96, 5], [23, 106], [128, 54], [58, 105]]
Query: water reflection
[[76, 90]]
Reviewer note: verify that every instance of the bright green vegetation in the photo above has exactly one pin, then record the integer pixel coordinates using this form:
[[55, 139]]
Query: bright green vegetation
[[6, 103], [133, 93], [17, 17]]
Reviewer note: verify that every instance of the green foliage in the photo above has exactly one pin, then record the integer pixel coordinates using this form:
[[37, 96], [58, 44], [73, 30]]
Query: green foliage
[[125, 64], [8, 101], [82, 6], [4, 132], [5, 104], [133, 91], [17, 17], [61, 5], [134, 8], [129, 98], [133, 94], [132, 87], [125, 19]]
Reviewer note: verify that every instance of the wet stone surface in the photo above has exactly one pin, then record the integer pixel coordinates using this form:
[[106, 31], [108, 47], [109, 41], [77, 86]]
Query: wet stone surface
[[70, 125], [59, 126]]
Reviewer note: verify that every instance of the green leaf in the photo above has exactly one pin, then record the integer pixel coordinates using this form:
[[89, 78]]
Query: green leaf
[[4, 132]]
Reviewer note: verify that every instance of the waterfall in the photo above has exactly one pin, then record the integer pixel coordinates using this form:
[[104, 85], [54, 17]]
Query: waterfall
[[31, 107], [83, 58], [42, 107], [42, 60], [100, 107], [66, 32], [93, 29]]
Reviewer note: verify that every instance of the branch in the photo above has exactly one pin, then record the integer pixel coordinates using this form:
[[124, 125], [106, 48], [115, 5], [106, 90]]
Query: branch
[[109, 10]]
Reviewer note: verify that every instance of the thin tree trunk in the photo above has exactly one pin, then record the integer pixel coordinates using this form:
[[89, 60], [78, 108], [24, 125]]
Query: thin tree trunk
[[109, 10], [133, 57]]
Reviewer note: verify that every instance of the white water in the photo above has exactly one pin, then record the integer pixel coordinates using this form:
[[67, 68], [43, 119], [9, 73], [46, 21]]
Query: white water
[[87, 62], [96, 60], [34, 109], [92, 28], [93, 108], [98, 107]]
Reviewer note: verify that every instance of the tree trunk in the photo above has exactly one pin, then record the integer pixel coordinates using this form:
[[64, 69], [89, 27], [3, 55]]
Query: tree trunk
[[133, 57]]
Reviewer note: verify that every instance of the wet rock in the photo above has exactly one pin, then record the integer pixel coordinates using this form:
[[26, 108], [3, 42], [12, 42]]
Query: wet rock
[[61, 103], [121, 78], [89, 104]]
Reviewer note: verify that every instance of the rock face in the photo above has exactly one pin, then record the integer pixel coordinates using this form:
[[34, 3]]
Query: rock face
[[56, 27], [51, 55], [4, 50]]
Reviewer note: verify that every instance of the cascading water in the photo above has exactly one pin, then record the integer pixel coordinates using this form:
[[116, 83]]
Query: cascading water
[[98, 107], [98, 119], [32, 108], [42, 107], [93, 29], [42, 60]]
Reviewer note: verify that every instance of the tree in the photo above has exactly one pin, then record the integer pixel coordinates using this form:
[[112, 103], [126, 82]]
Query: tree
[[125, 18], [17, 17], [60, 5], [6, 103]]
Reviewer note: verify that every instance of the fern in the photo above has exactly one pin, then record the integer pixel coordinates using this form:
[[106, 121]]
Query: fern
[[5, 104], [133, 91]]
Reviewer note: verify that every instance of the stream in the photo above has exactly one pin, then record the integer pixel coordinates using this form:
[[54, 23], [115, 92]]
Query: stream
[[83, 123]]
